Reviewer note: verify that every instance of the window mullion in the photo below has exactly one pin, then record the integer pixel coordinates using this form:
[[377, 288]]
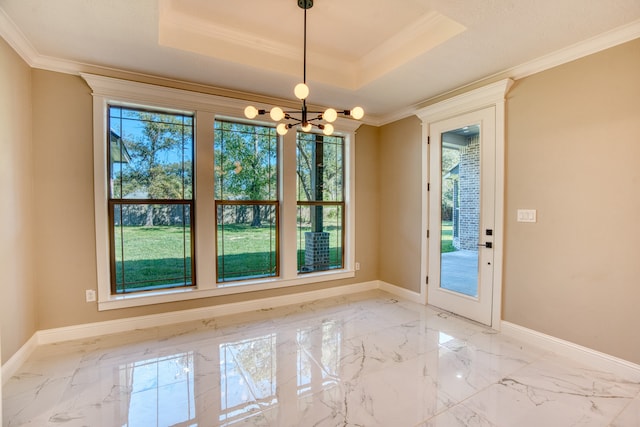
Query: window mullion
[[205, 211], [288, 212]]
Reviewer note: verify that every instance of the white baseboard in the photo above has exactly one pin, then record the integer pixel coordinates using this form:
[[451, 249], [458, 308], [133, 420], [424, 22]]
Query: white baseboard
[[401, 292], [598, 360], [586, 355], [88, 330], [11, 366], [122, 325]]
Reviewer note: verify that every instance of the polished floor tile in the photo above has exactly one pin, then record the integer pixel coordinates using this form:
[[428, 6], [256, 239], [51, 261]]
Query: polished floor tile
[[360, 360]]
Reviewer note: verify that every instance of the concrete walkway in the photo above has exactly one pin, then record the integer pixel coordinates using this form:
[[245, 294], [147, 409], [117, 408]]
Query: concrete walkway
[[459, 272]]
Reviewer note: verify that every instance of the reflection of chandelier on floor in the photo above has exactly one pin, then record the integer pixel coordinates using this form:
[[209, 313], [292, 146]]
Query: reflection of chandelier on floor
[[303, 117]]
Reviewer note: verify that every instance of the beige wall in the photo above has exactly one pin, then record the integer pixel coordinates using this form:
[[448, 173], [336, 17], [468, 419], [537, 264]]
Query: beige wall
[[65, 218], [573, 144], [17, 263], [367, 202], [400, 203], [573, 153]]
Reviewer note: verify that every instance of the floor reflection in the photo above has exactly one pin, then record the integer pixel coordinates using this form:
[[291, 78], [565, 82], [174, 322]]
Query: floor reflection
[[254, 375], [367, 359], [248, 377], [162, 390]]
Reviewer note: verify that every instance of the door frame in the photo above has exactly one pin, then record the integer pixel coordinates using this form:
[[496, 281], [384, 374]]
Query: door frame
[[479, 307], [490, 95]]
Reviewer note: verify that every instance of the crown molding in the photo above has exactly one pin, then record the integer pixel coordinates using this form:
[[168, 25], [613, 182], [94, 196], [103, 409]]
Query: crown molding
[[10, 32], [578, 50], [469, 101]]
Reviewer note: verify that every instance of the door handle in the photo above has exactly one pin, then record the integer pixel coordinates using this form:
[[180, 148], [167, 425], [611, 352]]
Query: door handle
[[487, 245]]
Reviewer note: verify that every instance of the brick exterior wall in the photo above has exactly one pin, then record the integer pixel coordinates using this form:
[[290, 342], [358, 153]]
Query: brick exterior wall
[[316, 251], [469, 192]]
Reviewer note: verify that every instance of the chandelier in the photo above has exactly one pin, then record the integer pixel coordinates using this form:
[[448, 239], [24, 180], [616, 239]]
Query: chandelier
[[305, 118]]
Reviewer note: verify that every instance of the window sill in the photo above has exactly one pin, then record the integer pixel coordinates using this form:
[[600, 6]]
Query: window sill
[[173, 295]]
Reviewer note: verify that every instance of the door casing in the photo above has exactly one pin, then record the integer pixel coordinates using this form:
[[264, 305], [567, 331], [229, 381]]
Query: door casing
[[494, 95], [478, 308]]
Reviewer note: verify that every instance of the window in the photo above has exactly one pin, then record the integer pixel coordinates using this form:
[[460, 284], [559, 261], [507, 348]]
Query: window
[[246, 193], [320, 202], [191, 202], [150, 199]]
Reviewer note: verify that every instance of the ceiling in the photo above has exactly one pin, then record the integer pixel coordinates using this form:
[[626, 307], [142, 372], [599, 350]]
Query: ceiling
[[383, 55]]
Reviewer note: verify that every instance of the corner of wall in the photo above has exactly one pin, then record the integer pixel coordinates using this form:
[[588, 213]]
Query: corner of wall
[[18, 319]]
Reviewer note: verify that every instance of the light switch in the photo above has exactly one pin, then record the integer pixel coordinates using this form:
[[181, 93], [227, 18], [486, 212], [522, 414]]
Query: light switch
[[526, 215]]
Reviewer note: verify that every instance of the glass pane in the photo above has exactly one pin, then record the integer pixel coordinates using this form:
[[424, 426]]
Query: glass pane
[[320, 237], [247, 239], [247, 368], [460, 210], [245, 162], [320, 167], [150, 154], [152, 246]]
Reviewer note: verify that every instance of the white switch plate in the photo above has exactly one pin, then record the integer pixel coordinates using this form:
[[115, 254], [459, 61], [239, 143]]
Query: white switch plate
[[526, 215], [90, 295]]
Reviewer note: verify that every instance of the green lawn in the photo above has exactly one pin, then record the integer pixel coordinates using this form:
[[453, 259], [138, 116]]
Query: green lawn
[[250, 251], [446, 240], [152, 256], [158, 255]]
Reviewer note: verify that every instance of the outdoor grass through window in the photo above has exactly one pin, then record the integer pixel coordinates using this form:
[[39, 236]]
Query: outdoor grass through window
[[150, 199], [446, 240], [246, 198], [245, 251], [151, 257]]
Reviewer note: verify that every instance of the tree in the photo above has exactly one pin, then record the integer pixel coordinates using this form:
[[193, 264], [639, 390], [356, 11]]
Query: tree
[[245, 165], [450, 159], [320, 173], [331, 167], [160, 165]]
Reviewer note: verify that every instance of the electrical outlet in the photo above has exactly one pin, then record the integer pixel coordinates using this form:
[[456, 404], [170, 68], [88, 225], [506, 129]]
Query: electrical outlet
[[357, 266], [90, 295]]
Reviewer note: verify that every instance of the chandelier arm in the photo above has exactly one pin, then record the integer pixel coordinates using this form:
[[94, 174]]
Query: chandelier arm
[[304, 101]]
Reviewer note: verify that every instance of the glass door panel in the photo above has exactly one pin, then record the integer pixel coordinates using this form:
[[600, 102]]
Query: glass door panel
[[460, 210]]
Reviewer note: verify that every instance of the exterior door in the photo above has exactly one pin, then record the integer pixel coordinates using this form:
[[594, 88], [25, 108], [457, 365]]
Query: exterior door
[[462, 214]]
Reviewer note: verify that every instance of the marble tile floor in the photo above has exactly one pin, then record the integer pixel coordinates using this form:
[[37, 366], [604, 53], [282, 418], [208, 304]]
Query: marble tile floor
[[361, 360]]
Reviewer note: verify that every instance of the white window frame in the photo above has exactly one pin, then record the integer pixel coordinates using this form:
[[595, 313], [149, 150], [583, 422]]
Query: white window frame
[[206, 108]]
